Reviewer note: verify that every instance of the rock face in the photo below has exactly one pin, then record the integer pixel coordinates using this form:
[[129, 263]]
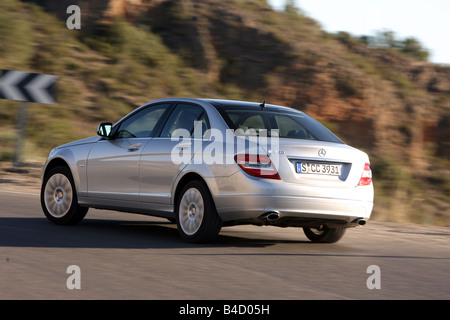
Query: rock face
[[376, 99]]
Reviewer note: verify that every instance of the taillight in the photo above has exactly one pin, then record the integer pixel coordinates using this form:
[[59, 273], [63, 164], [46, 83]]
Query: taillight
[[366, 177], [257, 165]]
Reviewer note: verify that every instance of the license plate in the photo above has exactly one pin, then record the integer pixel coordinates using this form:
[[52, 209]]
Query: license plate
[[319, 168]]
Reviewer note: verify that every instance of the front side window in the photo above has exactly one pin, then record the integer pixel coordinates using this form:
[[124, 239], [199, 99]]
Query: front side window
[[185, 116], [142, 123]]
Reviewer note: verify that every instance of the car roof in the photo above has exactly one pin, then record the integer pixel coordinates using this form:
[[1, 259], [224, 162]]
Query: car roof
[[245, 104]]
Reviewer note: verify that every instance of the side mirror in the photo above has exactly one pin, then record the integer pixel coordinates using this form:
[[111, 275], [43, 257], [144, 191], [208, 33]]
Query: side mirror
[[104, 129]]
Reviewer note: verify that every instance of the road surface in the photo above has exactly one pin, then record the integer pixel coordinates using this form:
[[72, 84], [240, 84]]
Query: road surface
[[126, 256]]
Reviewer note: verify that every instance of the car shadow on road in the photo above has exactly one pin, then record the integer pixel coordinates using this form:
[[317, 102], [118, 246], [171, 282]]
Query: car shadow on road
[[99, 233], [125, 234]]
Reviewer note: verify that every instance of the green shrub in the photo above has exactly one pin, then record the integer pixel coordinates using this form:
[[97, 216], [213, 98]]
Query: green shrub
[[16, 44], [389, 173], [413, 47]]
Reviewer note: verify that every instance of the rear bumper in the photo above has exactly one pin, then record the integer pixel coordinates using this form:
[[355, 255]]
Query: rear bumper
[[241, 199], [292, 210]]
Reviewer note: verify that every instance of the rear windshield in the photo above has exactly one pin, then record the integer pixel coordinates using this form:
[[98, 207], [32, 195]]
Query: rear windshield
[[290, 124]]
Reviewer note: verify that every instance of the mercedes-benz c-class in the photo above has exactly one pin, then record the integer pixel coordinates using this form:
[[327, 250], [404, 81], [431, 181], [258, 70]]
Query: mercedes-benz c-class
[[207, 164]]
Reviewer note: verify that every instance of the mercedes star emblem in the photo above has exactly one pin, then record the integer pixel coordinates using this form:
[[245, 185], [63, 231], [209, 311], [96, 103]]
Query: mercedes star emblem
[[322, 153]]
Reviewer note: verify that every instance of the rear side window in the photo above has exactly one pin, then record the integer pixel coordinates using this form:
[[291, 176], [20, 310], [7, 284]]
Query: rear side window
[[290, 124], [185, 116]]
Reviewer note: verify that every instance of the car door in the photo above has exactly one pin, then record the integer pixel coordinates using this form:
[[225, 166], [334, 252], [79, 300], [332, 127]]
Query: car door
[[166, 154], [113, 164]]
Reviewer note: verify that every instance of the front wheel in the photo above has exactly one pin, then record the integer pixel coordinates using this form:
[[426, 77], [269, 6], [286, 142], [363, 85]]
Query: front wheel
[[59, 199], [197, 218], [324, 234]]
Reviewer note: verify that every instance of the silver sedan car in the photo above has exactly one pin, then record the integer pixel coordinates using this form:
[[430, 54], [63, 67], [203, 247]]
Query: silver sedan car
[[206, 164]]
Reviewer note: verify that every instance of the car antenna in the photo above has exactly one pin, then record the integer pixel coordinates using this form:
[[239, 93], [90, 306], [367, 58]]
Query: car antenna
[[263, 105]]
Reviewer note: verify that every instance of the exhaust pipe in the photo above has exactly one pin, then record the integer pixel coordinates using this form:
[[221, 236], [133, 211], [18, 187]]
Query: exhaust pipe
[[360, 221], [270, 216]]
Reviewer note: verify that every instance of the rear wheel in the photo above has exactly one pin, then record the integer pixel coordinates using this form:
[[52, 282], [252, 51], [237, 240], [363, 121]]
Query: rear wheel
[[324, 234], [197, 218], [59, 199]]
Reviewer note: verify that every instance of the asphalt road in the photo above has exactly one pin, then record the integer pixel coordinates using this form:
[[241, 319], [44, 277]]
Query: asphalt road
[[125, 256]]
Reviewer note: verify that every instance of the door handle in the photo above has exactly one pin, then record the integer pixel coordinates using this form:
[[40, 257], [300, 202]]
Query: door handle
[[134, 147]]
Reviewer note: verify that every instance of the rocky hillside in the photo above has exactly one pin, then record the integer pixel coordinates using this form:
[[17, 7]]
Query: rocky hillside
[[387, 102], [386, 99]]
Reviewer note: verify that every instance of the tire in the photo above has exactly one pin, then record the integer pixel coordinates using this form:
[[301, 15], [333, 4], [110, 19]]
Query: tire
[[59, 199], [197, 218], [324, 234]]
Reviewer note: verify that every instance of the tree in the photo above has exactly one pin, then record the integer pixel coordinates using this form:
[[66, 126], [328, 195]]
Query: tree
[[387, 39], [290, 7], [414, 48]]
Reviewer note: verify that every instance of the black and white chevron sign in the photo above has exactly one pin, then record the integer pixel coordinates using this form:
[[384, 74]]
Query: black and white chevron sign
[[25, 86]]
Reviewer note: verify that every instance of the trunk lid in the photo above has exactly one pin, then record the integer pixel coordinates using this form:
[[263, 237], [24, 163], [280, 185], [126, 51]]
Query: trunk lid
[[318, 163]]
